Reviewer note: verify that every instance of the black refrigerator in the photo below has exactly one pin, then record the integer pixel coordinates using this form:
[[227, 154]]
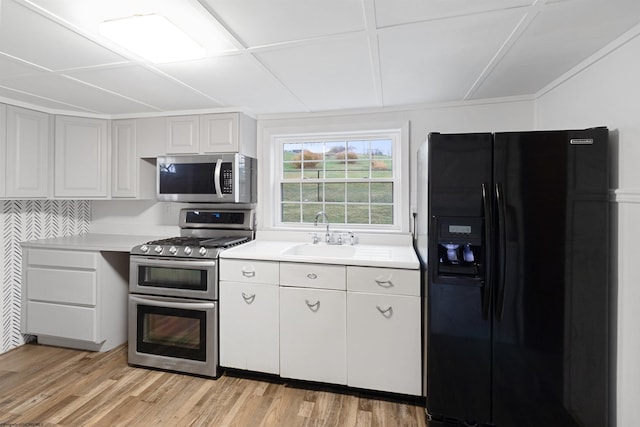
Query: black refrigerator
[[515, 253]]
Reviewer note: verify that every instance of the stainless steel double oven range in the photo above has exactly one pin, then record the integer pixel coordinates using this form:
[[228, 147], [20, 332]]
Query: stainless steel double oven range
[[173, 291]]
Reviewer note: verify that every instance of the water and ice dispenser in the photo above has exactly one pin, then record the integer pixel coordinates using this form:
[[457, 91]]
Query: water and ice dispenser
[[460, 250]]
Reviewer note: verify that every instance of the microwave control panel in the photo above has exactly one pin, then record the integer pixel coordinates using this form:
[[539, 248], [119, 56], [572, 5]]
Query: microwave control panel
[[227, 178]]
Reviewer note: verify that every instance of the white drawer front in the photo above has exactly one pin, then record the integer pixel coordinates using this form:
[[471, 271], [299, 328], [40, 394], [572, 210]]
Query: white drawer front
[[249, 271], [383, 280], [320, 276], [63, 259], [63, 321], [64, 286]]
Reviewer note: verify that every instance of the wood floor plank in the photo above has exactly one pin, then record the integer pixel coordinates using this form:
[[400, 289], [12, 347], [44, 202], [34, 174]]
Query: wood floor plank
[[62, 387]]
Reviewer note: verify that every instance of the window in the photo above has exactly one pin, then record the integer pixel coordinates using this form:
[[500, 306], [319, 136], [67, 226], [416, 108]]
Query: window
[[352, 176]]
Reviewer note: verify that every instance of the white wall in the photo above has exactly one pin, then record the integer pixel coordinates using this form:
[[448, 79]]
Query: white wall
[[510, 114], [607, 93]]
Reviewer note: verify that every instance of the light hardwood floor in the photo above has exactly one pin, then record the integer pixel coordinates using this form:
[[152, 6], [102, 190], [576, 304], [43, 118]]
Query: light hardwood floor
[[55, 386]]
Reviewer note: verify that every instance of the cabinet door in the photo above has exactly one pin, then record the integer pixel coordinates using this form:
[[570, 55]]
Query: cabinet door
[[249, 326], [219, 133], [124, 165], [81, 157], [313, 335], [384, 342], [27, 161], [183, 135]]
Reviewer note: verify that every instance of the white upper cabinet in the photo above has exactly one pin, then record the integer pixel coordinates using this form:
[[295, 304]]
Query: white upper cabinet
[[211, 133], [183, 135], [26, 153], [131, 176], [124, 165], [81, 157]]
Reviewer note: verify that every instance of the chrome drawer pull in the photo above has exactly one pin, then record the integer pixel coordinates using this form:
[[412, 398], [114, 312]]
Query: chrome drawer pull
[[248, 273], [384, 283], [388, 312], [313, 307], [312, 275], [248, 298]]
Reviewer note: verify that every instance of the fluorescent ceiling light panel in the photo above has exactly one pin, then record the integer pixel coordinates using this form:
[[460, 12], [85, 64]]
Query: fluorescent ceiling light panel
[[153, 37]]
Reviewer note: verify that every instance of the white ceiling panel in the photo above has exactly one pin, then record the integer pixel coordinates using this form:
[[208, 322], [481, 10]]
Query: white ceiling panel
[[36, 39], [559, 38], [236, 80], [394, 12], [10, 67], [145, 86], [67, 91], [287, 56], [41, 102], [260, 22], [439, 61], [332, 74]]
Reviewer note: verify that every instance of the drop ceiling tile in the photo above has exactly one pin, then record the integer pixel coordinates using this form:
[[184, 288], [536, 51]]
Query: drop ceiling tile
[[328, 75], [558, 39], [10, 67], [438, 61], [394, 12], [144, 85], [38, 40], [236, 80], [68, 91], [260, 22], [49, 104]]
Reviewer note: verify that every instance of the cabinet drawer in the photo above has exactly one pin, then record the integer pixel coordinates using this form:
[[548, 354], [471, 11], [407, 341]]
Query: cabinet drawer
[[383, 280], [63, 321], [318, 276], [63, 286], [249, 271], [63, 259]]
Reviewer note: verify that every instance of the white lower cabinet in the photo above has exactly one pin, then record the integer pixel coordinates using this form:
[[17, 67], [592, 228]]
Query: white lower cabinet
[[384, 342], [75, 298], [348, 325], [249, 326], [313, 335]]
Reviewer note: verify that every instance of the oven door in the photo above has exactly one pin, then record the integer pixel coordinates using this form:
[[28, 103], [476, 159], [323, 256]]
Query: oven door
[[173, 333], [183, 278]]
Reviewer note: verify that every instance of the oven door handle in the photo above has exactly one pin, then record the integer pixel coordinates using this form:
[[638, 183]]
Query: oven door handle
[[157, 302], [168, 262]]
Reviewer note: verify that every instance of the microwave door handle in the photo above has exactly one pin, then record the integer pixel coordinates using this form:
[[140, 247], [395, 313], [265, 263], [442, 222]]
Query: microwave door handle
[[216, 178]]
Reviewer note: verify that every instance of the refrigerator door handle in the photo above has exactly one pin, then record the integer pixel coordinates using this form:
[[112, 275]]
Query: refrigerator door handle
[[488, 236], [502, 246]]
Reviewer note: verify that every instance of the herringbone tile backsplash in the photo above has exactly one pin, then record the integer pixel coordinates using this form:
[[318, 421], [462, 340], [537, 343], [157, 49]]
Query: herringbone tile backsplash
[[22, 220]]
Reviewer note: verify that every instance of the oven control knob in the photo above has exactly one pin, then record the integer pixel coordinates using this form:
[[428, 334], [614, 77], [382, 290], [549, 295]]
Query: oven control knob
[[188, 250], [144, 248], [158, 249], [202, 251], [173, 250]]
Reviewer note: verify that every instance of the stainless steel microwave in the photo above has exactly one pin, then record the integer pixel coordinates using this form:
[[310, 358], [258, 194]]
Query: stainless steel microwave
[[209, 178]]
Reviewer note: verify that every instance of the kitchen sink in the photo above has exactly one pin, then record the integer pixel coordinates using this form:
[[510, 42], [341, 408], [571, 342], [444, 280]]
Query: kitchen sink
[[321, 250]]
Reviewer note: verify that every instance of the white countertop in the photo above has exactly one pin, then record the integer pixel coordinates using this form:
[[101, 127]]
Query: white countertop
[[369, 255], [91, 242]]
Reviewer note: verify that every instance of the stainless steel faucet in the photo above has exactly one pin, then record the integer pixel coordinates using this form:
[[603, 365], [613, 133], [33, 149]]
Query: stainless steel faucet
[[327, 236]]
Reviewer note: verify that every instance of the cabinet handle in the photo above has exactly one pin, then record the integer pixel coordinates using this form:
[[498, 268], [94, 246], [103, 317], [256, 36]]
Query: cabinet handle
[[388, 312], [248, 298], [248, 273], [313, 307], [312, 275], [384, 283]]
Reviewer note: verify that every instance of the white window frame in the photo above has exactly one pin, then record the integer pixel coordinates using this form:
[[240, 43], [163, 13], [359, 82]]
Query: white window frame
[[270, 172]]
